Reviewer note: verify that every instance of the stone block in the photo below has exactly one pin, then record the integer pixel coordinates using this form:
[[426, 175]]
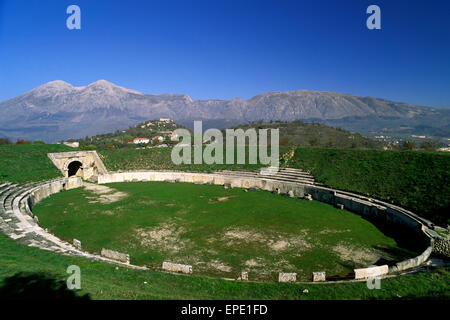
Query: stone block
[[291, 194], [244, 276], [77, 244], [287, 277], [175, 267], [365, 273], [122, 257], [318, 276]]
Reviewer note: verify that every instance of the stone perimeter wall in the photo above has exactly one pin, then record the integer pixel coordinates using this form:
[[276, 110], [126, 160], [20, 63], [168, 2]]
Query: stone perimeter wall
[[53, 187], [442, 247], [31, 234], [404, 220]]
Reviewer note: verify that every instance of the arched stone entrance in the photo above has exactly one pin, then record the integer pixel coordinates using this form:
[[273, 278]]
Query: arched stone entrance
[[75, 168], [84, 164]]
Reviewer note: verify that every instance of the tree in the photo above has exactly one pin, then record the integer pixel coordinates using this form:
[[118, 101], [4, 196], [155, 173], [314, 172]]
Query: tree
[[430, 145], [331, 142], [109, 146], [408, 145], [23, 142], [88, 147], [314, 141], [5, 141]]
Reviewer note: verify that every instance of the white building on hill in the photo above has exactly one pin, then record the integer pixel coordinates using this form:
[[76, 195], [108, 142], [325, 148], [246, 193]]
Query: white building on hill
[[73, 144], [141, 140]]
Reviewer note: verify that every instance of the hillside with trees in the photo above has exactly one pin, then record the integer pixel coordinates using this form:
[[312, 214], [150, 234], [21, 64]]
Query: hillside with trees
[[299, 133], [158, 132]]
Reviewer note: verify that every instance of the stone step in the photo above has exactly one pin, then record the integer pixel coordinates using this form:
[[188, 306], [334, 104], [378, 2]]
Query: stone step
[[17, 224], [20, 226], [285, 177], [9, 197], [299, 173], [294, 170], [278, 175], [293, 174], [293, 177], [4, 184], [5, 228], [11, 211], [290, 180], [6, 189]]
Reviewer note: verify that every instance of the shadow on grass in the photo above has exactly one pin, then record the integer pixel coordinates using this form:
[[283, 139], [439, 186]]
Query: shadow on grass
[[39, 286], [431, 295], [401, 235], [392, 255]]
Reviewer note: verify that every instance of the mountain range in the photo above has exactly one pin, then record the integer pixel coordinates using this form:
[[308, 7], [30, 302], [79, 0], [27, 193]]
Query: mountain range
[[58, 111]]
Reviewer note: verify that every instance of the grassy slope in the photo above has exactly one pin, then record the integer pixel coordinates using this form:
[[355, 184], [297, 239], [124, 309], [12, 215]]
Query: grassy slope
[[417, 180], [190, 218], [160, 159], [413, 179], [299, 133], [25, 163], [104, 281]]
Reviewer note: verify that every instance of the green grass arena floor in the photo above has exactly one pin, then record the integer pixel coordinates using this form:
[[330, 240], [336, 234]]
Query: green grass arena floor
[[216, 230]]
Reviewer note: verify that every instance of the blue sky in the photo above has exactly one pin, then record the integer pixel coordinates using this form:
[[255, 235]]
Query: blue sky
[[231, 48]]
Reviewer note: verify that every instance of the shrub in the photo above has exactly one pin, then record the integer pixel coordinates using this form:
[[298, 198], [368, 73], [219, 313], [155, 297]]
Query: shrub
[[23, 142], [5, 141]]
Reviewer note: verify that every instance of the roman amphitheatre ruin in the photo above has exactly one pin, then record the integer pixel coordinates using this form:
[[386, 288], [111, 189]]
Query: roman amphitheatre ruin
[[85, 169]]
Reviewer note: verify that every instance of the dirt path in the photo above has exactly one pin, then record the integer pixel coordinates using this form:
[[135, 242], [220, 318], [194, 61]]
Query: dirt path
[[103, 194]]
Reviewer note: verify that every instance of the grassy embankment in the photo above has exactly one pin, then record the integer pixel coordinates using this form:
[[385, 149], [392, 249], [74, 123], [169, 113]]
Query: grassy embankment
[[105, 281], [25, 163], [417, 180]]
